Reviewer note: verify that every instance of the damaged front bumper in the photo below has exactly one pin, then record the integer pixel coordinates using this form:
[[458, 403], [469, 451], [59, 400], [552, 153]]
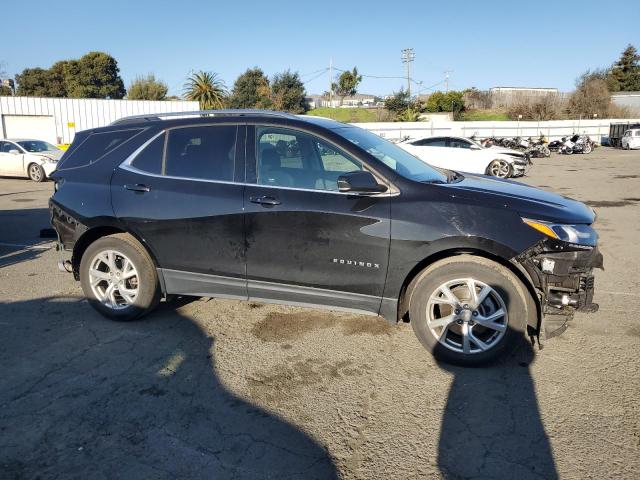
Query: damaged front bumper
[[562, 275]]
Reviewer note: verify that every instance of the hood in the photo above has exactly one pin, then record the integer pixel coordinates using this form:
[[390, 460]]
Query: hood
[[507, 151], [53, 154], [528, 201]]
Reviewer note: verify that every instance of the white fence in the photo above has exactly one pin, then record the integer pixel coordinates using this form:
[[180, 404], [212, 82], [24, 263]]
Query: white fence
[[552, 129], [57, 119]]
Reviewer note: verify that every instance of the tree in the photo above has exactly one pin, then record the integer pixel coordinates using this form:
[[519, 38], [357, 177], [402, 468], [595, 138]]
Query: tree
[[451, 101], [347, 84], [251, 90], [95, 75], [147, 88], [207, 89], [590, 97], [625, 73], [288, 93], [33, 82], [398, 102], [409, 115], [4, 89]]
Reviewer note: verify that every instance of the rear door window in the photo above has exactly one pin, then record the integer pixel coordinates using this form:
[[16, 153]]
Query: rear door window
[[432, 142], [96, 146], [203, 152], [150, 159]]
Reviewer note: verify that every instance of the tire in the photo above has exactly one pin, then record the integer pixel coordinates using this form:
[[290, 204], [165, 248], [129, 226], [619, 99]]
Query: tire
[[587, 148], [546, 152], [500, 169], [428, 304], [36, 173], [132, 295]]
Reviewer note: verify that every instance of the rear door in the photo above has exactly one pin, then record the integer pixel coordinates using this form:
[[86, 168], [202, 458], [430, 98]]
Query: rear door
[[180, 194], [306, 241]]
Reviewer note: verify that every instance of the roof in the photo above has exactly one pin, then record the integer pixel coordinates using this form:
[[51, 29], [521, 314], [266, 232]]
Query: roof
[[203, 115]]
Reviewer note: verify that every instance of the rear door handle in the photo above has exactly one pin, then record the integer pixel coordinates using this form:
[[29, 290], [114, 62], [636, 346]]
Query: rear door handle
[[138, 187], [265, 200]]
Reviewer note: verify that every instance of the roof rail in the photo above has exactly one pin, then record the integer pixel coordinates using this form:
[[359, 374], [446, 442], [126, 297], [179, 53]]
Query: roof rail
[[150, 117]]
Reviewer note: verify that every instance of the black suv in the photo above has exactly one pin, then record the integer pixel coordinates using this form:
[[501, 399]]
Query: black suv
[[306, 211]]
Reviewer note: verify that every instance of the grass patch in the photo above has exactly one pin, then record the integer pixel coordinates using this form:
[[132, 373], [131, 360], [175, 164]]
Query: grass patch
[[346, 115], [479, 115]]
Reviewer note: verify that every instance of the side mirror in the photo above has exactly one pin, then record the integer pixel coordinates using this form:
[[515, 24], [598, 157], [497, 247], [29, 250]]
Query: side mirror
[[360, 182], [13, 151]]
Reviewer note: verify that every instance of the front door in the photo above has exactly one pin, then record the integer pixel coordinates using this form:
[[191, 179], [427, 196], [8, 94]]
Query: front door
[[306, 241], [180, 196], [11, 163]]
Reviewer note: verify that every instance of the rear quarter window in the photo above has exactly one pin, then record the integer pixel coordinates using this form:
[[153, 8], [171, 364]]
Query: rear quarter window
[[96, 146]]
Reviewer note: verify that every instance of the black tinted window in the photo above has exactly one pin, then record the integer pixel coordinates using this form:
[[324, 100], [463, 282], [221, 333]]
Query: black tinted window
[[150, 159], [290, 158], [430, 142], [96, 146], [202, 152]]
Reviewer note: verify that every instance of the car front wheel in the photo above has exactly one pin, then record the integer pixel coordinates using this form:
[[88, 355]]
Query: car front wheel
[[469, 310], [500, 169], [36, 173], [119, 278]]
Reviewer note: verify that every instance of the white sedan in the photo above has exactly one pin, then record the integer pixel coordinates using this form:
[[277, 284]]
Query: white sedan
[[35, 159], [631, 139], [465, 155]]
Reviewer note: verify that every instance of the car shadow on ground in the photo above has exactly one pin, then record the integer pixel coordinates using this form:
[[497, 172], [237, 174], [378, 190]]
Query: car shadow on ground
[[20, 234], [491, 426], [85, 397]]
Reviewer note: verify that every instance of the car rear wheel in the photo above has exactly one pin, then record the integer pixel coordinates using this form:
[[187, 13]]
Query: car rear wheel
[[469, 310], [500, 169], [36, 173], [119, 278]]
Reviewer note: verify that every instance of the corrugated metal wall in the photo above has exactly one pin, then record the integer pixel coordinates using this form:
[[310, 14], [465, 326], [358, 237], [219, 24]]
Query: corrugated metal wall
[[85, 113]]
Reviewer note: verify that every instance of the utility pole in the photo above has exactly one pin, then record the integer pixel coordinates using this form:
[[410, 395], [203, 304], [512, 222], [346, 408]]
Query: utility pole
[[331, 82], [407, 58], [446, 80]]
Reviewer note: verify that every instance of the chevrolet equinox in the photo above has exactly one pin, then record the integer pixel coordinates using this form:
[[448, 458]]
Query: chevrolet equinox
[[306, 211]]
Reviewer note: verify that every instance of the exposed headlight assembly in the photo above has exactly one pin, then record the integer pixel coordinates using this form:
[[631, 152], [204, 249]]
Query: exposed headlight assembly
[[579, 234]]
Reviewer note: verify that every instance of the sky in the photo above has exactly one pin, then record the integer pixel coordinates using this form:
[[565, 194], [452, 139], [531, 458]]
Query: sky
[[483, 44]]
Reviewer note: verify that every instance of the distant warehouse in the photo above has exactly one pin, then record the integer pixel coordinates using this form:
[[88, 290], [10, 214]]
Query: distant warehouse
[[56, 120]]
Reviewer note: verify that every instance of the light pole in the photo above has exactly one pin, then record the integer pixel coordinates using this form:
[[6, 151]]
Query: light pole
[[407, 58], [518, 129], [595, 117]]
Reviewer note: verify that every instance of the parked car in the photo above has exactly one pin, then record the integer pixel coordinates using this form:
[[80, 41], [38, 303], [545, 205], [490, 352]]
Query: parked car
[[617, 130], [462, 154], [35, 159], [631, 139], [206, 205]]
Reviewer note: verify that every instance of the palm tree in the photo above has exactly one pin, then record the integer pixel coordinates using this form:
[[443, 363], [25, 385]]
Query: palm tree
[[207, 89]]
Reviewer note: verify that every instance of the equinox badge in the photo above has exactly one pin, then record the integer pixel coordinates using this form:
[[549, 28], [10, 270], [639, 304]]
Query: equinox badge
[[356, 263]]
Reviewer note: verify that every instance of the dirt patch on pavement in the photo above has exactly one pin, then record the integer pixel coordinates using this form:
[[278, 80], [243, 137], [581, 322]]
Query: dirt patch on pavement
[[284, 327], [280, 381], [609, 203], [626, 176], [279, 327], [366, 325]]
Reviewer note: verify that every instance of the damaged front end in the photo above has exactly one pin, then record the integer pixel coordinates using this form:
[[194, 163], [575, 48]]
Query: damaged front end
[[562, 275]]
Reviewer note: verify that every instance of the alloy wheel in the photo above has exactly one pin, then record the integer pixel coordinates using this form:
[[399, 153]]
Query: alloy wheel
[[467, 316], [113, 279], [35, 173], [500, 169]]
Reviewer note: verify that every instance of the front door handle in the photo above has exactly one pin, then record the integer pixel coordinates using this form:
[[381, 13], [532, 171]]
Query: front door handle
[[265, 200], [138, 187]]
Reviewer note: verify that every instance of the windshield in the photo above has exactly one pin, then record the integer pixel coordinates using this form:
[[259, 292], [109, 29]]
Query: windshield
[[35, 146], [391, 155]]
